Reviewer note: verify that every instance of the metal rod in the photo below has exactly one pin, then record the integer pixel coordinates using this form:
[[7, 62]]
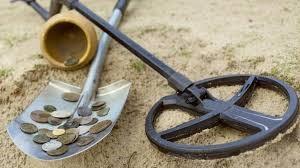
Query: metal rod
[[89, 90]]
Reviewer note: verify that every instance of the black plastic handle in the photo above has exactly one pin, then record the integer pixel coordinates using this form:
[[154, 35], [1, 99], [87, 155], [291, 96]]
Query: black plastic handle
[[122, 5]]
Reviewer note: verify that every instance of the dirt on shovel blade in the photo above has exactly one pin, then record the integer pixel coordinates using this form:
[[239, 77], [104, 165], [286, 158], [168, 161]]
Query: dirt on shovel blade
[[198, 38]]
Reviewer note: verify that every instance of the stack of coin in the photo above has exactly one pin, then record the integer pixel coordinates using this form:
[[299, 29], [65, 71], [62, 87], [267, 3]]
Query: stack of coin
[[78, 130], [100, 108]]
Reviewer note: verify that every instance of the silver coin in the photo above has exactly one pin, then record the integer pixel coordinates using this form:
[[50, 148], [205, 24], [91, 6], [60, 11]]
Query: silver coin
[[61, 114], [83, 129], [51, 145]]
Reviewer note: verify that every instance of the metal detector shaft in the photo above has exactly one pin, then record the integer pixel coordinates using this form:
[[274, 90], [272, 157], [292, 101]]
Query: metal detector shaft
[[92, 81]]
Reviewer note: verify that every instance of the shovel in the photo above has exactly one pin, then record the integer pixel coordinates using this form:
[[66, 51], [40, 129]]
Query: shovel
[[114, 95]]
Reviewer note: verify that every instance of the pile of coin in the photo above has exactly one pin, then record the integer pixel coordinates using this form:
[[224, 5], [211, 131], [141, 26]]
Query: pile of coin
[[68, 130]]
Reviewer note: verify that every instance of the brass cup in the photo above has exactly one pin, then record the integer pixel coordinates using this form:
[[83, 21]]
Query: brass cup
[[68, 36]]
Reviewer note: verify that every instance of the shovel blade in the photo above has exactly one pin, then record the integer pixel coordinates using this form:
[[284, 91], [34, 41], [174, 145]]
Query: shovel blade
[[114, 95]]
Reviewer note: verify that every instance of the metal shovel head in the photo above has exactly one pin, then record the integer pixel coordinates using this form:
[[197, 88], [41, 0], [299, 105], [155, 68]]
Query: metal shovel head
[[114, 95]]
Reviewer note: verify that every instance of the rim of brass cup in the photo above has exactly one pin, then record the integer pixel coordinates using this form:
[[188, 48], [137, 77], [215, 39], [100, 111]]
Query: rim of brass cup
[[68, 35]]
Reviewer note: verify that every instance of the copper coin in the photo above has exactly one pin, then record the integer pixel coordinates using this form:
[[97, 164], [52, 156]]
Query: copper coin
[[70, 61], [103, 112], [100, 126], [61, 150], [71, 96], [41, 138], [28, 128], [94, 121], [39, 116], [49, 108], [66, 138], [84, 140]]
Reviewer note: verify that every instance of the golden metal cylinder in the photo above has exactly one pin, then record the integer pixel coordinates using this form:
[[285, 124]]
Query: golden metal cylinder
[[66, 36]]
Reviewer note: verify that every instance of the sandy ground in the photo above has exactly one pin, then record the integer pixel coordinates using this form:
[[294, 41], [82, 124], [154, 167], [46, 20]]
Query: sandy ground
[[199, 38]]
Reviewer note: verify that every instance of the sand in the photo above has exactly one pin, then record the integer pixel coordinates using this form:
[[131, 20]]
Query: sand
[[198, 38]]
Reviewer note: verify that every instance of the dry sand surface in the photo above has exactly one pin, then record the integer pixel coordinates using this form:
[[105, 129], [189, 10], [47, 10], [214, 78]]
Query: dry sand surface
[[199, 38]]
